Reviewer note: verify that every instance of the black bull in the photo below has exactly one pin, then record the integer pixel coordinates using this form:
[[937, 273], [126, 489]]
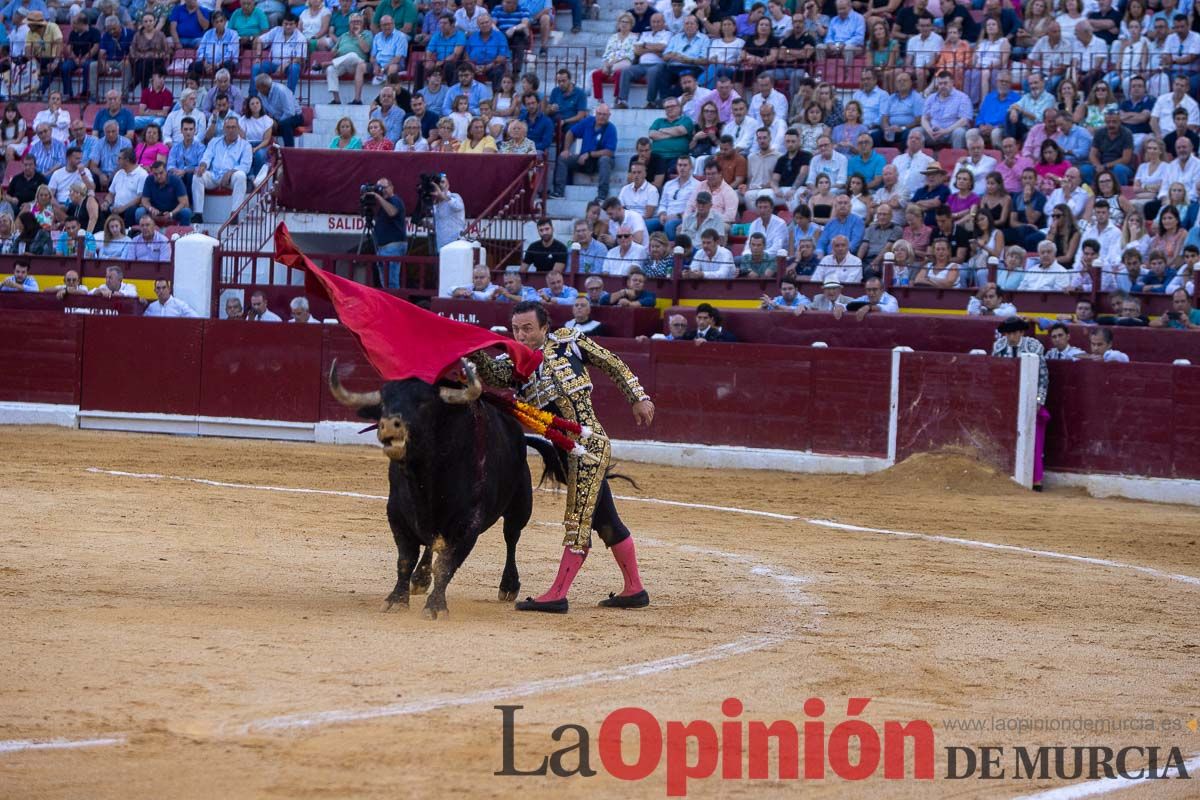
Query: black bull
[[456, 466]]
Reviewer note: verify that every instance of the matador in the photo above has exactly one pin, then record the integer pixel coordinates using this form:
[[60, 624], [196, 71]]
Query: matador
[[561, 385]]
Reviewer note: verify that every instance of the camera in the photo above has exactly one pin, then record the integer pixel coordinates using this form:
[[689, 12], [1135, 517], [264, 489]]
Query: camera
[[366, 196], [429, 183], [1174, 315]]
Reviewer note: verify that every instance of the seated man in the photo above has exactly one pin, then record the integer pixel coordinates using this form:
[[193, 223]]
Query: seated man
[[831, 298], [286, 50], [755, 261], [481, 287], [150, 244], [788, 299], [1101, 341], [627, 255], [125, 196], [711, 260], [24, 185], [581, 318], [773, 229], [225, 163], [164, 198], [301, 313], [547, 254], [48, 153], [840, 265], [634, 293], [515, 291], [70, 285], [72, 241], [233, 308], [708, 326], [1061, 348], [20, 280], [114, 284], [259, 311], [875, 300], [556, 292], [167, 304]]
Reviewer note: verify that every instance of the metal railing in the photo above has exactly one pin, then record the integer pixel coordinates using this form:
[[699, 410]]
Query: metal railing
[[500, 228]]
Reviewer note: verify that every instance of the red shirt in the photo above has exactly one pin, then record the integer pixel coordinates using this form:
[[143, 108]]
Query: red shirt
[[157, 101]]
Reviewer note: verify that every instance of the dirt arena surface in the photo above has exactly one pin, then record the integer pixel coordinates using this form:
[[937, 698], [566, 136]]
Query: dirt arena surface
[[230, 638]]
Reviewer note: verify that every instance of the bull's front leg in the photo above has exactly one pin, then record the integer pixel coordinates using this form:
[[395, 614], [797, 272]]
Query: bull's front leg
[[449, 558], [408, 548]]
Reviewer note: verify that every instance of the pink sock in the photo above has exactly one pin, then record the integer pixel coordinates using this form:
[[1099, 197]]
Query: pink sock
[[568, 568], [626, 555]]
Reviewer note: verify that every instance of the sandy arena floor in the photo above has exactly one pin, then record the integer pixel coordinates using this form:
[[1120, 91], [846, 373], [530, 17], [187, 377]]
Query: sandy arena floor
[[230, 638]]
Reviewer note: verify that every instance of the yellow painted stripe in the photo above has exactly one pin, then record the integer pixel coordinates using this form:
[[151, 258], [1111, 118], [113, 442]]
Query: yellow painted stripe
[[145, 287]]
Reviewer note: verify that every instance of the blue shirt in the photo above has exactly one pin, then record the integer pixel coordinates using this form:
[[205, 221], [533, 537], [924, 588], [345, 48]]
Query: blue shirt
[[945, 112], [442, 47], [279, 103], [29, 284], [592, 257], [87, 147], [186, 22], [106, 154], [505, 20], [1147, 104], [27, 5], [485, 52], [221, 157], [123, 118], [853, 229], [528, 293], [541, 130], [474, 94], [217, 50], [568, 104], [565, 297], [604, 139], [797, 301], [385, 48], [870, 169], [696, 47], [904, 112], [115, 49], [923, 193], [393, 121], [49, 157], [994, 111], [185, 158], [164, 197], [849, 31], [1077, 143]]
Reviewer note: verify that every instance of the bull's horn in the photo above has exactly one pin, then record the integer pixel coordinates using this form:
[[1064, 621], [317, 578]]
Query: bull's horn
[[466, 395], [348, 398]]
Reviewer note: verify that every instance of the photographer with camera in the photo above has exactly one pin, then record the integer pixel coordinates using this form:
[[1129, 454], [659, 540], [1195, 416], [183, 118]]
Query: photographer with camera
[[390, 234], [449, 213]]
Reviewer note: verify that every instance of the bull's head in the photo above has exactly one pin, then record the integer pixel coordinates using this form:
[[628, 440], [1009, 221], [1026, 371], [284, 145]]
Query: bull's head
[[401, 403]]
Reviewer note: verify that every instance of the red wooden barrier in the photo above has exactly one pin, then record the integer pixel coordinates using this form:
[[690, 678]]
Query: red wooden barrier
[[261, 370], [43, 357], [127, 367]]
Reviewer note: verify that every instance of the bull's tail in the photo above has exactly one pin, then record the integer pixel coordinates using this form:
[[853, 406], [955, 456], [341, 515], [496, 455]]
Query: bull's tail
[[556, 465]]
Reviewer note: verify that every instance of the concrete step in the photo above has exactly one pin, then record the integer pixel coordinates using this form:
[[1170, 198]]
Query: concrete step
[[566, 209]]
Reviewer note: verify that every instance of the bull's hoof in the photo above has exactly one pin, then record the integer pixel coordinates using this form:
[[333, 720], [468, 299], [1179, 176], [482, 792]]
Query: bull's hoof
[[394, 601], [508, 595], [418, 588], [432, 613]]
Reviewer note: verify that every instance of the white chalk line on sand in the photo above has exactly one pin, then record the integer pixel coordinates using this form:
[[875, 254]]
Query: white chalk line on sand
[[16, 745], [746, 645]]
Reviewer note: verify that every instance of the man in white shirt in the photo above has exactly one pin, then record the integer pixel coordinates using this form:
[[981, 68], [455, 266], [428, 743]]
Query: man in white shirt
[[125, 190], [301, 312], [772, 227], [1183, 51], [1101, 341], [711, 260], [1091, 53], [775, 126], [875, 300], [1061, 348], [648, 53], [187, 108], [1108, 237], [829, 162], [114, 284], [626, 255], [912, 163], [674, 198], [1052, 55], [1070, 193], [923, 49], [639, 195], [70, 174], [259, 312], [765, 92], [481, 287], [741, 127], [977, 162], [1185, 169], [618, 215], [1044, 273], [760, 168], [167, 304], [1162, 120], [840, 265]]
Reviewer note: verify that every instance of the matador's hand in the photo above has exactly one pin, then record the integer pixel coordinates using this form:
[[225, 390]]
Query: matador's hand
[[643, 412]]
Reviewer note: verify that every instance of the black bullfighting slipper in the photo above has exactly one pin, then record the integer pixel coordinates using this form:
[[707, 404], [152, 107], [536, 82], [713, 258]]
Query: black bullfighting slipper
[[545, 606], [639, 600]]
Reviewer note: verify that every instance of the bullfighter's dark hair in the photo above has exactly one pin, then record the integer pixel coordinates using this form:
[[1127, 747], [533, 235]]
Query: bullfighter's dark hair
[[526, 306]]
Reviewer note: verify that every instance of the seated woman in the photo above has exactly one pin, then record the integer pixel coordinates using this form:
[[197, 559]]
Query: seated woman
[[963, 201], [821, 201], [1052, 166], [1028, 213], [116, 244], [410, 137], [477, 141], [345, 138], [916, 232], [940, 272]]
